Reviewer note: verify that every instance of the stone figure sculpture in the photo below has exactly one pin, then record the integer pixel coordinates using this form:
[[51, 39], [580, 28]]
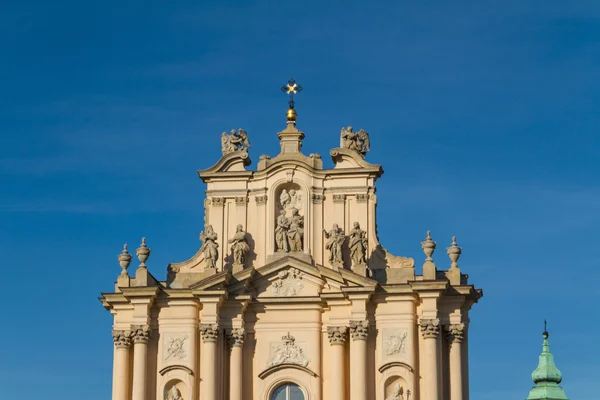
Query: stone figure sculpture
[[174, 394], [236, 140], [398, 393], [290, 199], [357, 141], [358, 244], [239, 246], [281, 230], [335, 239], [210, 247], [295, 231]]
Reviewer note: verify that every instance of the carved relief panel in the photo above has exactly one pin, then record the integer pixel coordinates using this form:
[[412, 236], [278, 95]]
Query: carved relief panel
[[289, 227], [176, 348], [395, 344]]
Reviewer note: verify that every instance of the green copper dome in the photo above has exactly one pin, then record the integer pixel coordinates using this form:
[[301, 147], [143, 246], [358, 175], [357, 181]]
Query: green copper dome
[[546, 377]]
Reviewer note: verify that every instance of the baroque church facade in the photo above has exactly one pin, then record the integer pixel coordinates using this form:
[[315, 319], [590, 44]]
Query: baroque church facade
[[291, 296]]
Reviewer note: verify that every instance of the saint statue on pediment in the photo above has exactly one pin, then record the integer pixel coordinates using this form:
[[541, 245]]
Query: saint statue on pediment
[[210, 247]]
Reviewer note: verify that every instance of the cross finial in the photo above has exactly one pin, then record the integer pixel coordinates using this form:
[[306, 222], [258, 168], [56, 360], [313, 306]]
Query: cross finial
[[291, 88]]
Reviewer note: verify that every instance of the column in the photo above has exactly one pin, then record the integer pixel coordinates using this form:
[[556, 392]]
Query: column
[[236, 341], [430, 329], [122, 340], [359, 330], [140, 335], [337, 340], [210, 334], [455, 338]]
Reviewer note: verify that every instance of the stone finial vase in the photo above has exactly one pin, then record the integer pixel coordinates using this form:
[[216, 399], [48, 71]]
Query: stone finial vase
[[124, 260], [143, 252]]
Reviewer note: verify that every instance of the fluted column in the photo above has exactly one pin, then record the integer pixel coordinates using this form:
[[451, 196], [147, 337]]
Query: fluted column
[[122, 340], [359, 330], [455, 337], [210, 334], [140, 335], [430, 329], [236, 341], [337, 339]]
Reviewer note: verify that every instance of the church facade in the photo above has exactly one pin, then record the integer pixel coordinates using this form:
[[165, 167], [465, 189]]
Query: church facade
[[291, 296]]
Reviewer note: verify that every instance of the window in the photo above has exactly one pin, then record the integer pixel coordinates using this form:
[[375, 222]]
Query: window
[[288, 391]]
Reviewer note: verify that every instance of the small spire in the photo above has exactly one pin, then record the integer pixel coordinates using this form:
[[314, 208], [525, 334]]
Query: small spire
[[546, 376]]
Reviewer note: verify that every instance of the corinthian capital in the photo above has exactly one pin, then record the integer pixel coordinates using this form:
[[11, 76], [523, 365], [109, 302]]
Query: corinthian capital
[[359, 330], [337, 334], [430, 328], [140, 333], [236, 337], [210, 332], [455, 332], [122, 339]]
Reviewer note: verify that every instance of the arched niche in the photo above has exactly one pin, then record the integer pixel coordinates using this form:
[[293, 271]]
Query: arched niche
[[391, 386], [290, 200], [174, 388]]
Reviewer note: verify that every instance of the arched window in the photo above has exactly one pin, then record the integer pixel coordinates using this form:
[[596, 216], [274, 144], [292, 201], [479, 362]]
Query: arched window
[[288, 391]]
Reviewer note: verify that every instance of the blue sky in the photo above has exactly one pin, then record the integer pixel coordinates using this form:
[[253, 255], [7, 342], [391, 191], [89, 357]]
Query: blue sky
[[483, 114]]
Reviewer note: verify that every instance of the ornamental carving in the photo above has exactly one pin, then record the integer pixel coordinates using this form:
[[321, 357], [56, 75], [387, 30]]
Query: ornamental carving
[[122, 339], [430, 328], [261, 200], [395, 342], [288, 283], [359, 330], [240, 201], [217, 201], [236, 337], [210, 332], [140, 333], [337, 334], [339, 198], [176, 347], [455, 333], [362, 198], [317, 198], [287, 352]]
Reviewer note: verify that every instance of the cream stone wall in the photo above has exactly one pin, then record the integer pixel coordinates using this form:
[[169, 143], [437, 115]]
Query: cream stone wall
[[355, 331]]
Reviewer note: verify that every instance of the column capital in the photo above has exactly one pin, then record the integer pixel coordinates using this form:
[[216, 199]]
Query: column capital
[[455, 332], [337, 334], [236, 337], [359, 330], [210, 332], [430, 327], [122, 339], [140, 333]]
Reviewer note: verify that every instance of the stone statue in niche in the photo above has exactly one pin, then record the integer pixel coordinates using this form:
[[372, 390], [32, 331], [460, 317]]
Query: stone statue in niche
[[295, 231], [281, 231], [239, 246], [173, 394], [290, 199], [234, 141], [398, 393], [357, 141], [335, 239], [358, 244], [210, 247]]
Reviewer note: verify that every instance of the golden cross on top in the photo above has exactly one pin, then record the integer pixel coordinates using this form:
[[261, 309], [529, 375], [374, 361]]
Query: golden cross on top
[[291, 88]]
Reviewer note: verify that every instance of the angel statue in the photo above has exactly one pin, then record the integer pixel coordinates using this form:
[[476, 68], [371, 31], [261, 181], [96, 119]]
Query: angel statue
[[357, 141], [398, 393], [236, 140], [210, 247], [239, 246], [173, 394]]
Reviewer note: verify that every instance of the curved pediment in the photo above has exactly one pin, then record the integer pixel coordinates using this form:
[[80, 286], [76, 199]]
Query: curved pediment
[[346, 158], [235, 161], [279, 367]]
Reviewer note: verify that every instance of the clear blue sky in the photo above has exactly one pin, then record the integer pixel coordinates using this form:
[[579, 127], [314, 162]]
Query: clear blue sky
[[484, 115]]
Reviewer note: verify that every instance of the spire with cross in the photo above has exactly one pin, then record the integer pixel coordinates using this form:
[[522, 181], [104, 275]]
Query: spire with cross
[[291, 88]]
